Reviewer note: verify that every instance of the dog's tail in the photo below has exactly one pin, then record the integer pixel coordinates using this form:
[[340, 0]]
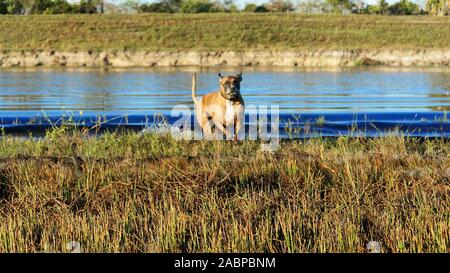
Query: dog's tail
[[193, 88]]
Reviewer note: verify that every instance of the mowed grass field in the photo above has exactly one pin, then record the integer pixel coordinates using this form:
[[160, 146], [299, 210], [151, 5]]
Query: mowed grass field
[[151, 193], [243, 31]]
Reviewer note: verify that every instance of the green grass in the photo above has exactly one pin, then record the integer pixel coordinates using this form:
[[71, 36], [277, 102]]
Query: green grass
[[151, 193], [222, 32]]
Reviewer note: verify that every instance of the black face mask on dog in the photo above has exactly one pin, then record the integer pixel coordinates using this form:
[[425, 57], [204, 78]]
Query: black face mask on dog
[[230, 87]]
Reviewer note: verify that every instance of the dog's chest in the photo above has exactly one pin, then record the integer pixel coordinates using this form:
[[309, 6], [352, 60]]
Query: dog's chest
[[230, 112]]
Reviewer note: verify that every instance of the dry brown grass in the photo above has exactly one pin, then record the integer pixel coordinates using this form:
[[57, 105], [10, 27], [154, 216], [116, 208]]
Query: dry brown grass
[[131, 193]]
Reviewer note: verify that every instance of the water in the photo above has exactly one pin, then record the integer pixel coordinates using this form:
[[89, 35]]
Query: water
[[314, 102]]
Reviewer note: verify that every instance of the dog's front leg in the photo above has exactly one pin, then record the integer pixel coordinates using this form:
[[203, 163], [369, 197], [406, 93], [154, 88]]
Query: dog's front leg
[[237, 127], [238, 121], [222, 130]]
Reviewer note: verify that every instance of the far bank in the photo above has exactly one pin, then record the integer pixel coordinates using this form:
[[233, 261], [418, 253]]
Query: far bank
[[238, 39], [251, 58]]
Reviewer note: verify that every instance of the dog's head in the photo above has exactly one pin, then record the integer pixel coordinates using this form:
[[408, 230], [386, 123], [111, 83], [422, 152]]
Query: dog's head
[[230, 86]]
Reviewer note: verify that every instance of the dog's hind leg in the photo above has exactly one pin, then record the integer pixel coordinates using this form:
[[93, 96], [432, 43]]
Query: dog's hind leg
[[207, 127]]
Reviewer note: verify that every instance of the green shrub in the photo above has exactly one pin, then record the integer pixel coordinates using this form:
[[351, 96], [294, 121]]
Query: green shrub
[[59, 7], [338, 6], [88, 7], [15, 7], [165, 6], [200, 6], [261, 8], [250, 7], [404, 7], [3, 7]]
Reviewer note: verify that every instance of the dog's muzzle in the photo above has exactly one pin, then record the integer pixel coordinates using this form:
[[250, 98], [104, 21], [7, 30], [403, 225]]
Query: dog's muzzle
[[233, 92]]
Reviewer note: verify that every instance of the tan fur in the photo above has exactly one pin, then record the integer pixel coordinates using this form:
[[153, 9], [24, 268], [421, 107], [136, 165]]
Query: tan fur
[[214, 109]]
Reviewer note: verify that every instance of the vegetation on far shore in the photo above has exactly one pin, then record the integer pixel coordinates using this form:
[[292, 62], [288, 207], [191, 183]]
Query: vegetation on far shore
[[402, 7], [151, 193], [224, 31]]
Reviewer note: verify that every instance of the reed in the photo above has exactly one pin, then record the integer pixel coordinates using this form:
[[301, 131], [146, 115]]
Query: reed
[[129, 192]]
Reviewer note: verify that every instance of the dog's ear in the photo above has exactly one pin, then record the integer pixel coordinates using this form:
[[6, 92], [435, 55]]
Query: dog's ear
[[239, 76], [220, 77]]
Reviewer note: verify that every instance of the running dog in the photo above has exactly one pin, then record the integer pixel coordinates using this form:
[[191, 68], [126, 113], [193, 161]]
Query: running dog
[[221, 110]]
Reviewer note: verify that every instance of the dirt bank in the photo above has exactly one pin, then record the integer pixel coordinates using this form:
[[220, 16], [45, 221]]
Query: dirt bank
[[317, 58]]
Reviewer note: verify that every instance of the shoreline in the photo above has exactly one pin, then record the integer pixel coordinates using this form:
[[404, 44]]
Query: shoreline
[[250, 58]]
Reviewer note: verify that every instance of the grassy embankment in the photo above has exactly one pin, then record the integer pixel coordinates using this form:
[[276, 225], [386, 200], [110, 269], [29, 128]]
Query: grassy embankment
[[152, 193], [222, 32]]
